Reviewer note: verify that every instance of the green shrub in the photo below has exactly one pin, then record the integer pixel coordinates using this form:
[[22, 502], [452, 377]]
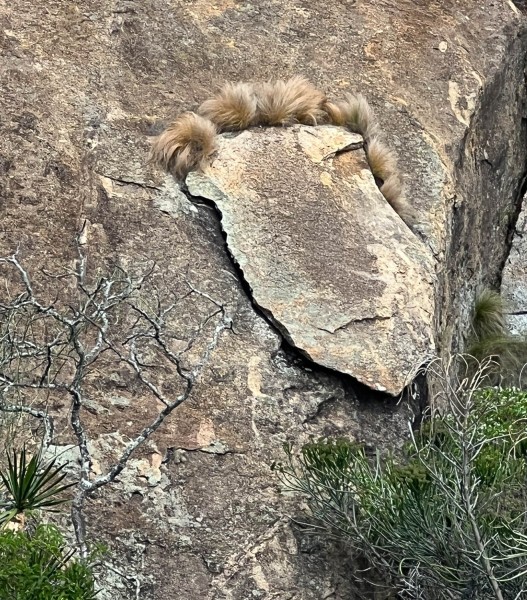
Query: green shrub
[[447, 518], [37, 566]]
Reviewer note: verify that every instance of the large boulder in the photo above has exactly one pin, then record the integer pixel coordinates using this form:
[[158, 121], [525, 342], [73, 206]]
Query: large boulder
[[325, 256]]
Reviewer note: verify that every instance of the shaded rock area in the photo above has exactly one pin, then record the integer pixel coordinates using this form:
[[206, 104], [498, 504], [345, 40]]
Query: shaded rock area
[[325, 256], [514, 281], [83, 87], [488, 179]]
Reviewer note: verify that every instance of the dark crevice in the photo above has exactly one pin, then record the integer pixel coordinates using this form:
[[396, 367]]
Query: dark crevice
[[518, 204], [170, 453], [359, 320], [123, 181], [490, 178], [244, 284], [320, 408], [522, 5], [296, 356], [521, 190], [352, 387]]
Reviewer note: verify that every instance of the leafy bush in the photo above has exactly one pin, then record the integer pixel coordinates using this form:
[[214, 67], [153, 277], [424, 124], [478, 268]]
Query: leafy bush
[[447, 518], [38, 566]]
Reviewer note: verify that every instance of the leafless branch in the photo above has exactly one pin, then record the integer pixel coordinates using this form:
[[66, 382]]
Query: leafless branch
[[58, 346]]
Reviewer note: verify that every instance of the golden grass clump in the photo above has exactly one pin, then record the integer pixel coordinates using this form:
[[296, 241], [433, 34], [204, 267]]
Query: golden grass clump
[[293, 101], [185, 144], [233, 108]]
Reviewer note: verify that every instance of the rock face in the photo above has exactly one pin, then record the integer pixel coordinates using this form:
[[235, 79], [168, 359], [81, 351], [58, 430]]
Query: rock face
[[197, 514], [325, 256], [514, 281]]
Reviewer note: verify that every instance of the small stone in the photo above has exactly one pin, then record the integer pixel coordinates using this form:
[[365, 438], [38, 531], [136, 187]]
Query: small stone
[[119, 402], [216, 447], [213, 566], [185, 541]]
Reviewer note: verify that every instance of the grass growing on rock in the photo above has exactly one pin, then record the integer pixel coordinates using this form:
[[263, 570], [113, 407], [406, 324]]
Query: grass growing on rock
[[489, 336]]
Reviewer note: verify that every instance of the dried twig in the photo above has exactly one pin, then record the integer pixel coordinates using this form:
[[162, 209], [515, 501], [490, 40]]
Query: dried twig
[[46, 346]]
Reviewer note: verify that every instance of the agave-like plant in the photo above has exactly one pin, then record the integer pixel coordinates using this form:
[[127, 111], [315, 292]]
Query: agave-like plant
[[33, 484]]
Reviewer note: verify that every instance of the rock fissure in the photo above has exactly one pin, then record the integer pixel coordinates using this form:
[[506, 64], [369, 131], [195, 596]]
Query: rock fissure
[[126, 181], [288, 348], [513, 232], [217, 448], [238, 270], [351, 321], [488, 199], [319, 409]]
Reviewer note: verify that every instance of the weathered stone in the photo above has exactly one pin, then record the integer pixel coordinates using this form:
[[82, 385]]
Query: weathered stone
[[325, 256], [514, 281], [84, 86]]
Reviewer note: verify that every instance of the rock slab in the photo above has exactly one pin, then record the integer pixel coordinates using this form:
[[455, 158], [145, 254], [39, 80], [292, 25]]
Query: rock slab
[[514, 282], [327, 259]]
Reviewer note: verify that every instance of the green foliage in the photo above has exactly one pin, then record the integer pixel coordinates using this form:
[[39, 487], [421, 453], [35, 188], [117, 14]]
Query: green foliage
[[505, 411], [505, 427], [490, 337], [30, 485], [38, 566], [447, 518]]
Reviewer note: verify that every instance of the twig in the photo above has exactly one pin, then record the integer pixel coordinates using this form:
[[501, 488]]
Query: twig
[[45, 347]]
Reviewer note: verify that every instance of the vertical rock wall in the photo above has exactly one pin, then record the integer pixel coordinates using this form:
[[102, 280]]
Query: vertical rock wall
[[514, 278], [83, 86], [488, 175]]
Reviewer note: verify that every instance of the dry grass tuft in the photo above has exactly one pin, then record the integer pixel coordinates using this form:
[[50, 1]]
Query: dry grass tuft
[[293, 101], [189, 140], [392, 190], [382, 160], [355, 113], [233, 108], [185, 144]]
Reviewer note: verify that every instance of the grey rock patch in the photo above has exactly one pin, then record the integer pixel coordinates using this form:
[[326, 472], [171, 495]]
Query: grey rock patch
[[119, 402], [171, 200], [514, 282], [215, 447]]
